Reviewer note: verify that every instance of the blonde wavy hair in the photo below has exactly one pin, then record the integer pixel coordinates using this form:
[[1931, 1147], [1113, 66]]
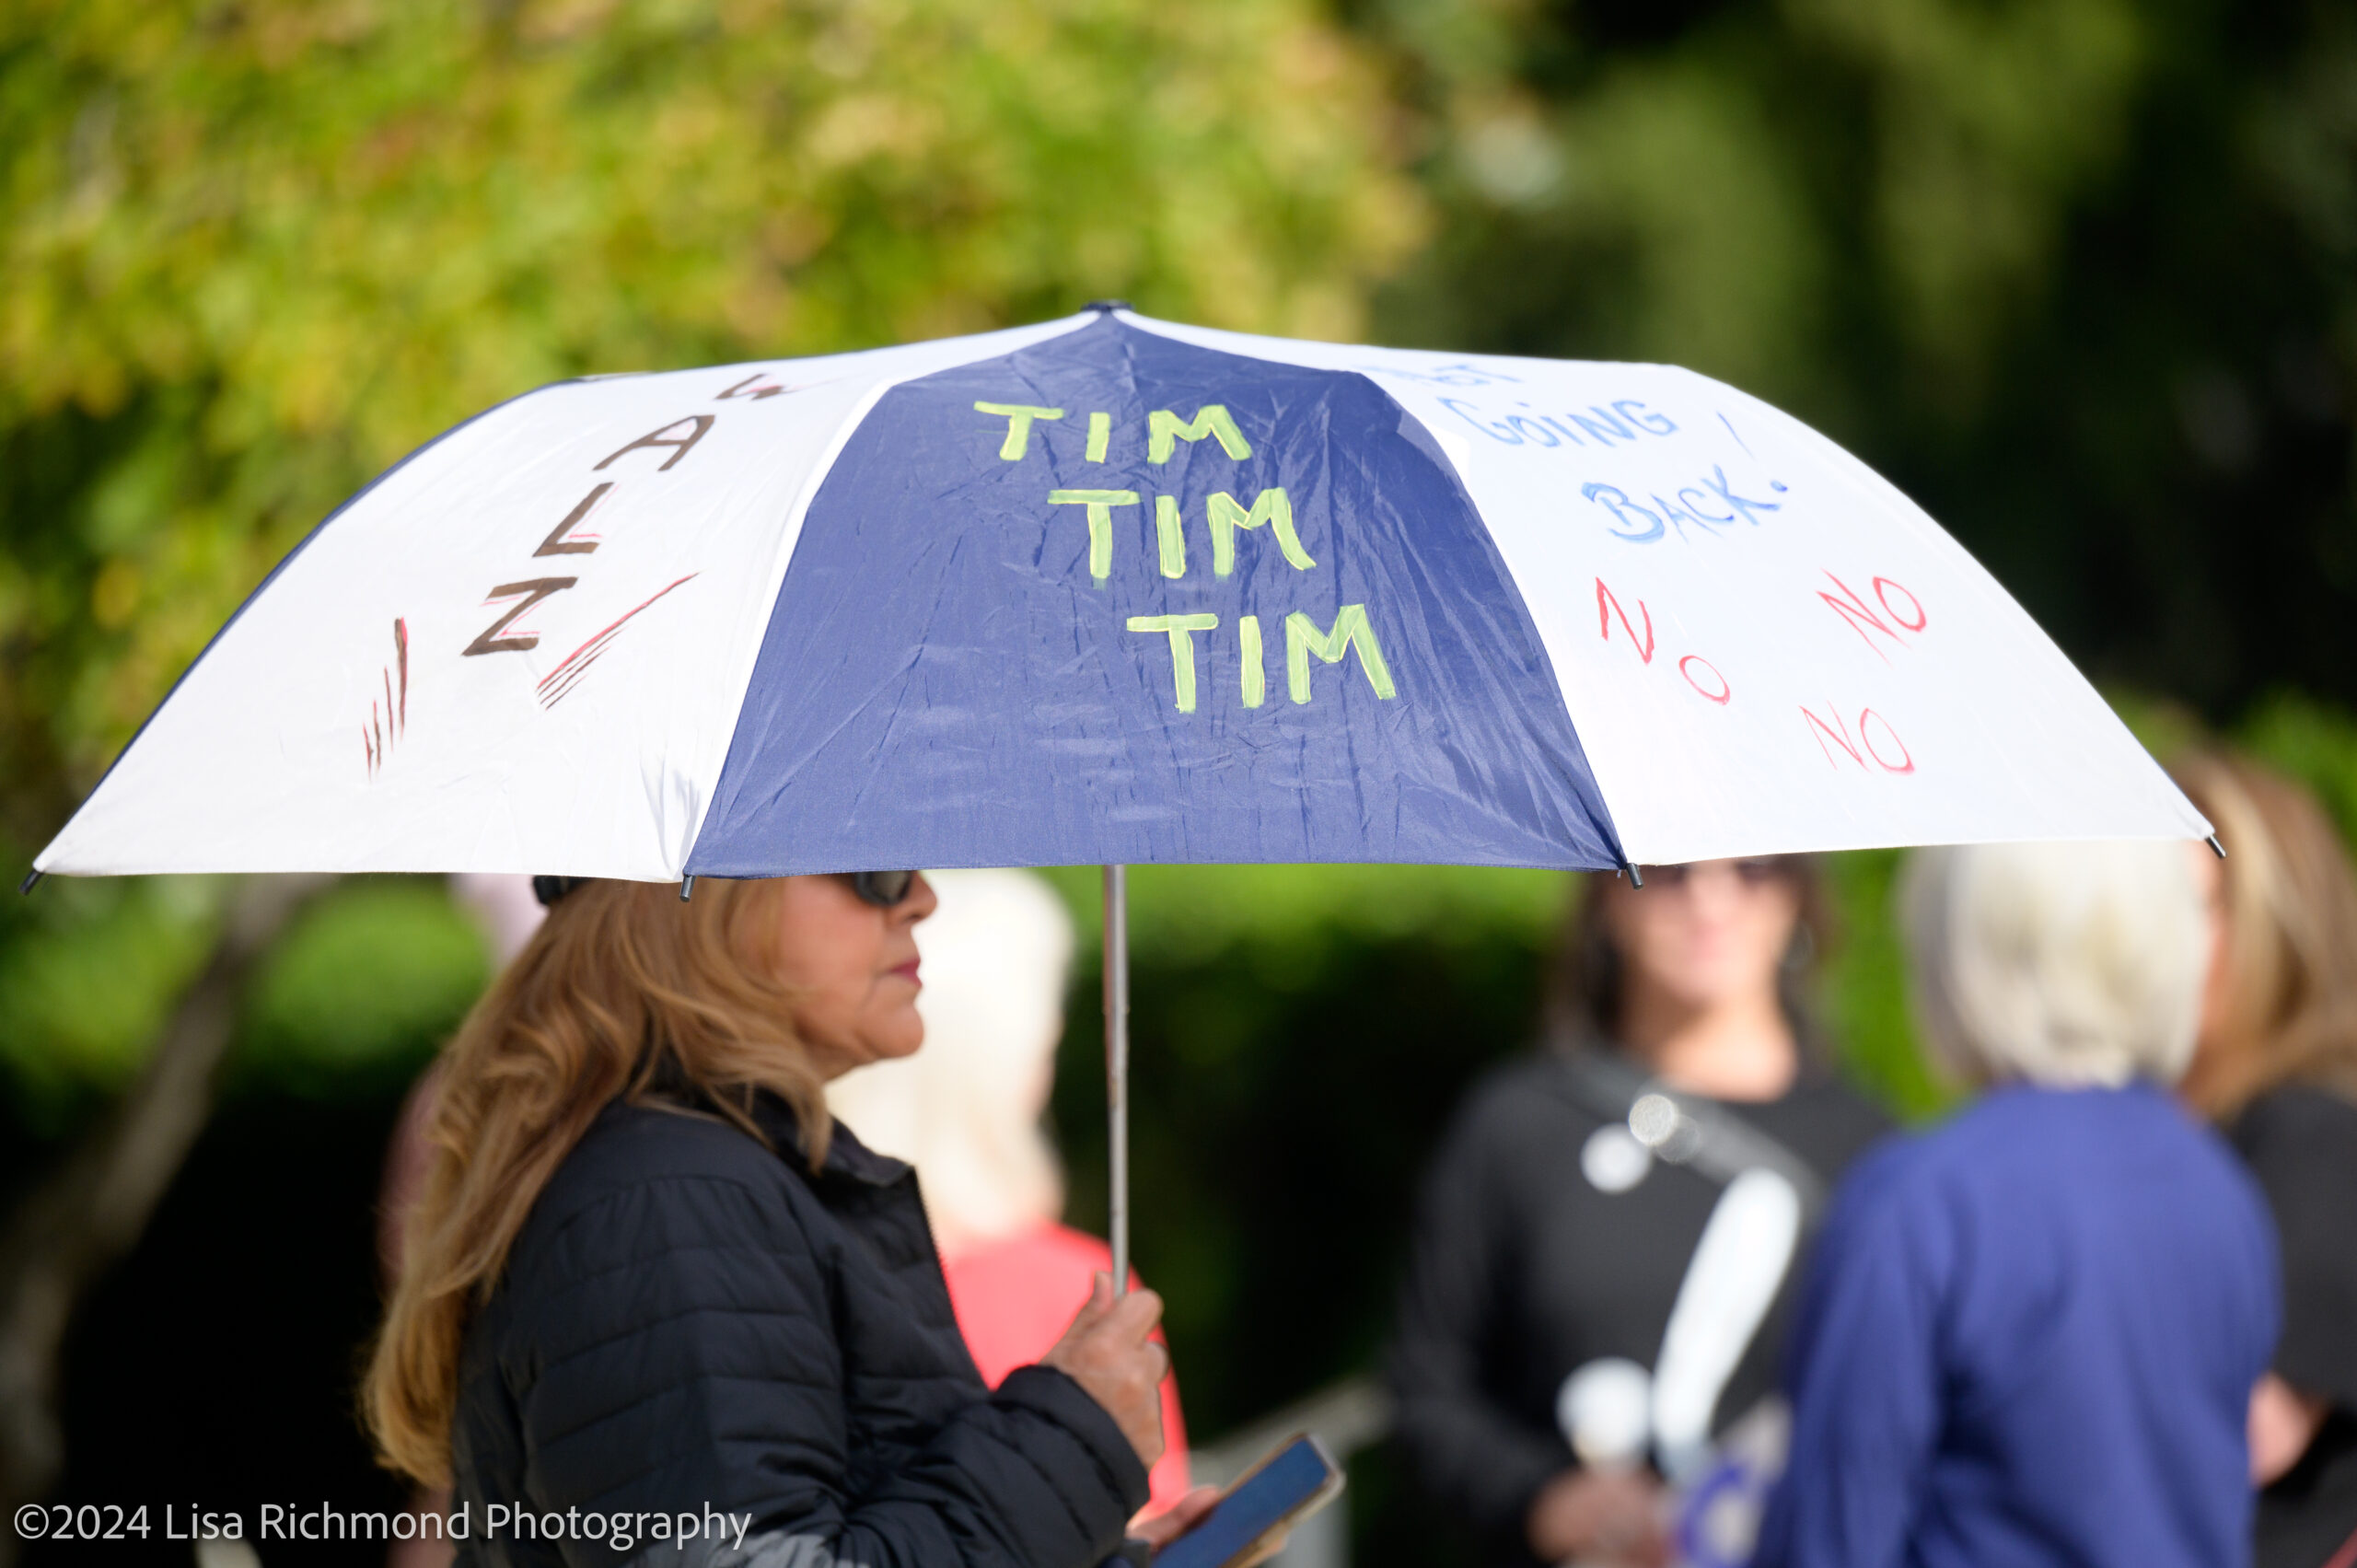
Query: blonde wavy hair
[[2287, 1009], [623, 992]]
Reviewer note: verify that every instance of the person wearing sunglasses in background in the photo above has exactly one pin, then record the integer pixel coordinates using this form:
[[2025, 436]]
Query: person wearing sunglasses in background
[[647, 1274], [1607, 1238]]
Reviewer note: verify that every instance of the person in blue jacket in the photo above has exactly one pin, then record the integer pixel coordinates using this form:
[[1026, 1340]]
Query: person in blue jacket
[[2031, 1335]]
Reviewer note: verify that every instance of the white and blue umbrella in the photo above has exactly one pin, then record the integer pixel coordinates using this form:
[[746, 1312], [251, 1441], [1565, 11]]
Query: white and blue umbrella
[[1110, 590]]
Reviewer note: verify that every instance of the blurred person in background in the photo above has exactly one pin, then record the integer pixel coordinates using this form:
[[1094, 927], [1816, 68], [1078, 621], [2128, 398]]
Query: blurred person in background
[[648, 1273], [2030, 1336], [966, 1112], [2275, 1066], [1606, 1239]]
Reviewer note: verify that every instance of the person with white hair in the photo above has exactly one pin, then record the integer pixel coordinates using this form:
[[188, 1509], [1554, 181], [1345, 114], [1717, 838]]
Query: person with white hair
[[2031, 1335], [966, 1111]]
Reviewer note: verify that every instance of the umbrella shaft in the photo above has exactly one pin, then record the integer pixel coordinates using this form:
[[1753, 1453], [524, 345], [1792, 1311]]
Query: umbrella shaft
[[1117, 1063]]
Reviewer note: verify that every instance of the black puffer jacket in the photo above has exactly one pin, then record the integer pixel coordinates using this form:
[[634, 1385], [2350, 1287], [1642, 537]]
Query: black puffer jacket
[[690, 1321]]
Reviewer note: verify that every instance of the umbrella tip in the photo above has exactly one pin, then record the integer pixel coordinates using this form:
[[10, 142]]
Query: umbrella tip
[[1636, 878], [2217, 848], [1103, 307], [687, 888], [32, 881]]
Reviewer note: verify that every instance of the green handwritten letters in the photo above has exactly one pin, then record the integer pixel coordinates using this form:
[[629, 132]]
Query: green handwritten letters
[[1270, 507], [1170, 536], [1225, 514], [1100, 505], [1164, 430], [1018, 425], [1352, 630], [1181, 628]]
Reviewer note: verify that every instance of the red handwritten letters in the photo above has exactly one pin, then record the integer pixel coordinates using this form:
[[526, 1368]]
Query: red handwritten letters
[[1699, 673], [1878, 745], [1866, 623], [1886, 622], [574, 535], [389, 723]]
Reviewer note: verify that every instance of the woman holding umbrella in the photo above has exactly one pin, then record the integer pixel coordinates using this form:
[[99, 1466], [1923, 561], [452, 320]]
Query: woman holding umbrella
[[1548, 1370], [649, 1276]]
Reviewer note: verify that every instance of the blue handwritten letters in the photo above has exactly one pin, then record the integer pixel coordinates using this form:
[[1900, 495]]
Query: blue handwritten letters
[[1622, 423], [1708, 505], [1711, 504]]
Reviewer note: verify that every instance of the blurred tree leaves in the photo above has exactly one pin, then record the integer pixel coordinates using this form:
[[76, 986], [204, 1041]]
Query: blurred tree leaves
[[2314, 743], [85, 980], [359, 995], [1262, 915], [254, 251], [351, 1003]]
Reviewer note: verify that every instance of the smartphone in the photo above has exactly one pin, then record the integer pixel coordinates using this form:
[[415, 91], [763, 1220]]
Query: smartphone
[[1289, 1485]]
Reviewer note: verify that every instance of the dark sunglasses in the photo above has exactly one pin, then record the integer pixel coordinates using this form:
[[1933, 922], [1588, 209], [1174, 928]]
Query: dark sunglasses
[[885, 889], [1754, 872]]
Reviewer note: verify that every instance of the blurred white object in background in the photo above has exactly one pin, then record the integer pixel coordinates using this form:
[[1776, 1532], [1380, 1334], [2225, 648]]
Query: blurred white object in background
[[1747, 1248], [965, 1110], [1604, 1410]]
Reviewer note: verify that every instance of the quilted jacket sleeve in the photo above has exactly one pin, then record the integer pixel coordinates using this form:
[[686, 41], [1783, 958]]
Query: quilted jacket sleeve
[[681, 1354]]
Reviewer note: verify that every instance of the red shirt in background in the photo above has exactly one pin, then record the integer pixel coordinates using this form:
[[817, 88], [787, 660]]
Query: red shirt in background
[[1014, 1297]]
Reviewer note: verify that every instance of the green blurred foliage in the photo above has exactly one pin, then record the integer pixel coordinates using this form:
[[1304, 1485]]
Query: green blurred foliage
[[87, 976], [1262, 915], [358, 995], [2314, 743], [353, 1001], [1862, 993]]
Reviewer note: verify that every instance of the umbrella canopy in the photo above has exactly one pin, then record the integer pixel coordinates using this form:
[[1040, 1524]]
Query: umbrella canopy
[[1113, 590]]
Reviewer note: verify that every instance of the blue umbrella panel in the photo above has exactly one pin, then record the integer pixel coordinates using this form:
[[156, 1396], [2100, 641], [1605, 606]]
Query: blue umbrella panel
[[1115, 598]]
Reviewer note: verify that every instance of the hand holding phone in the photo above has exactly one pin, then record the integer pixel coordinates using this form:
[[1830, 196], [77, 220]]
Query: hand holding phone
[[1288, 1486]]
